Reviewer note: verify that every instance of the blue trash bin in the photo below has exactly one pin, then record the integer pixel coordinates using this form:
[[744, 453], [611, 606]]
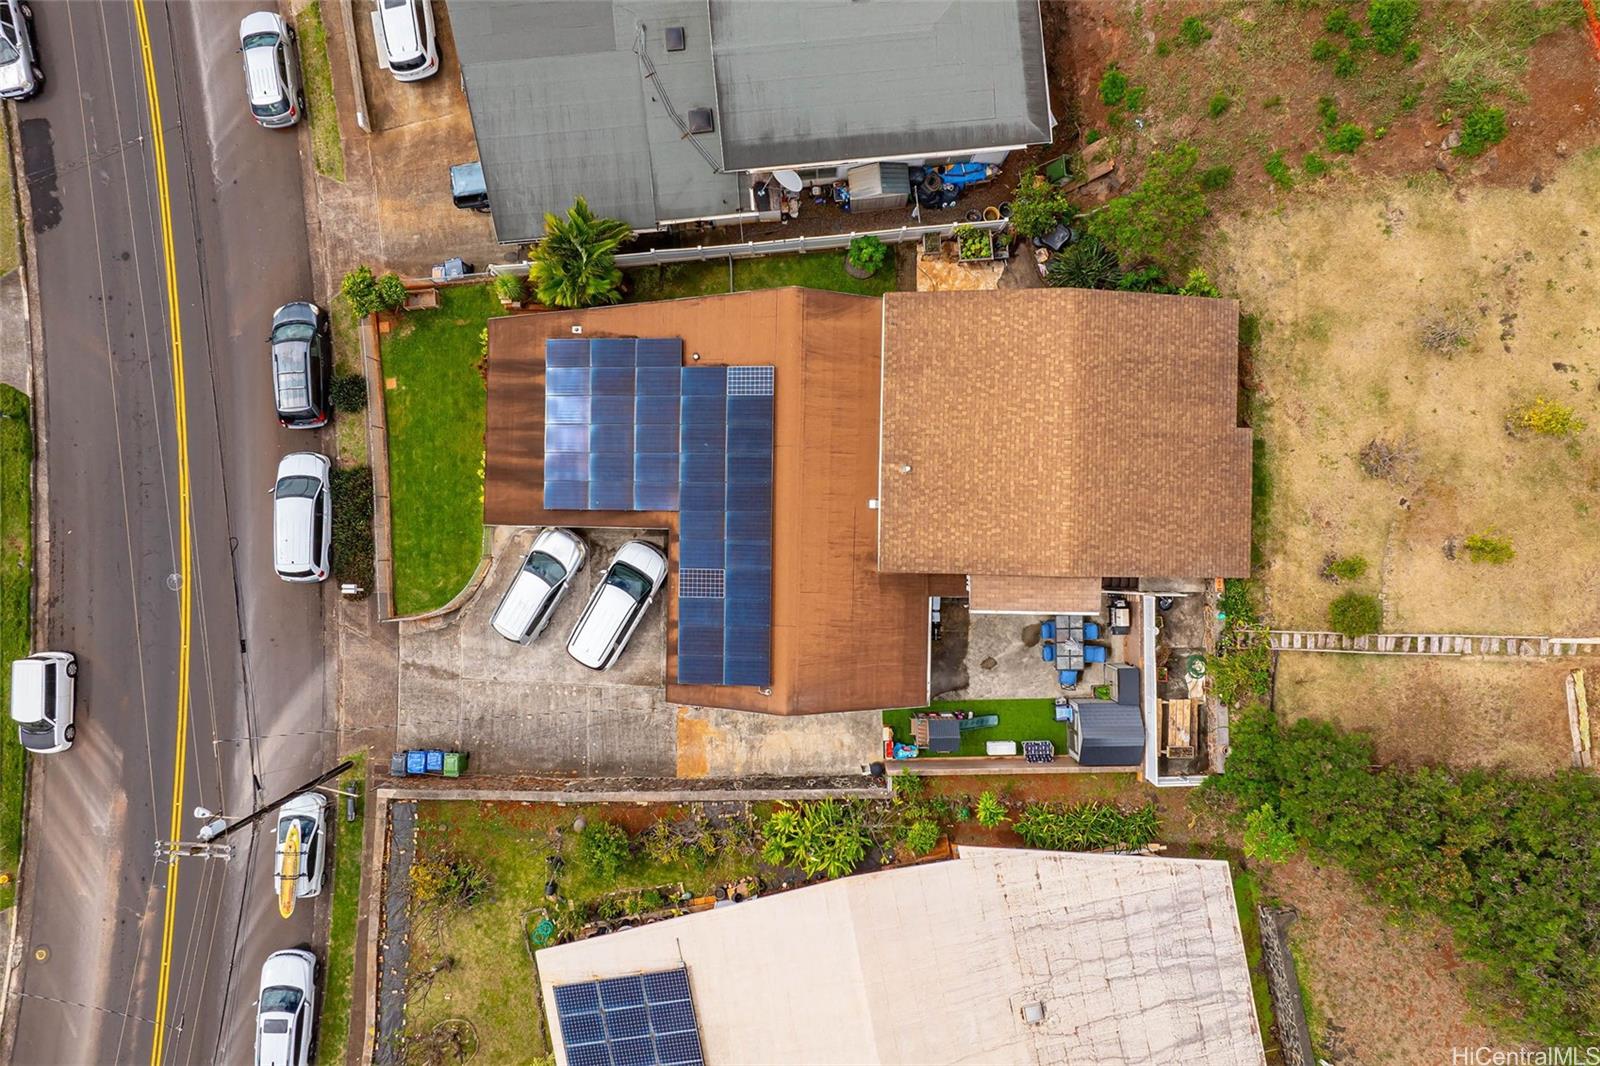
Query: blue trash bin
[[435, 762], [416, 762]]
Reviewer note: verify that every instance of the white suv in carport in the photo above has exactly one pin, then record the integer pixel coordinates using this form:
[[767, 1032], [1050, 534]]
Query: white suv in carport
[[405, 37], [541, 583], [620, 598]]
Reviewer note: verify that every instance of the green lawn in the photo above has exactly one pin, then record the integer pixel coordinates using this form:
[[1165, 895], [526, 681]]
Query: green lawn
[[316, 75], [350, 430], [346, 901], [16, 584], [1019, 720], [436, 416], [492, 982], [813, 270], [10, 246]]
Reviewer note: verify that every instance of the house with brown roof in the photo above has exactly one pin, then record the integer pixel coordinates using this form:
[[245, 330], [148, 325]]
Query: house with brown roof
[[1029, 450]]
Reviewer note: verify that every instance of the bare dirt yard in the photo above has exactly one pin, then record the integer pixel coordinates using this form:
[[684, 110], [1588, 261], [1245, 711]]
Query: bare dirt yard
[[1424, 315], [1461, 713]]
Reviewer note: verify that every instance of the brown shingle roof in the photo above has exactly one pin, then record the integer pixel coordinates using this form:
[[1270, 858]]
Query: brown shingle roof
[[1062, 432], [844, 636], [1034, 595]]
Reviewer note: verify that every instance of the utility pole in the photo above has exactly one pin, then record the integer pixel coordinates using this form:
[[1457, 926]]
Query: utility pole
[[207, 846]]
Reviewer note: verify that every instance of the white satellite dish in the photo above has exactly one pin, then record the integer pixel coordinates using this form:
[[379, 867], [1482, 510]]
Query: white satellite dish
[[789, 180]]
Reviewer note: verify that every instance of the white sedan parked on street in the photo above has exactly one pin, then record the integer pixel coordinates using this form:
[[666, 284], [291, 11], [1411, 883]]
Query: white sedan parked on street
[[287, 1008]]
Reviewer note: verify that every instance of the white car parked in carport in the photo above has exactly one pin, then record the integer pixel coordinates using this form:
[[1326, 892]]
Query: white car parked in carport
[[406, 40], [620, 598], [541, 583]]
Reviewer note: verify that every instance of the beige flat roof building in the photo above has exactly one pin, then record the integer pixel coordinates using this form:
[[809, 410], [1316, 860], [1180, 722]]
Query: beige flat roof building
[[1130, 960]]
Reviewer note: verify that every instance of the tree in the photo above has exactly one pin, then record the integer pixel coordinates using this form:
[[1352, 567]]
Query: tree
[[1158, 221], [575, 264], [1267, 835]]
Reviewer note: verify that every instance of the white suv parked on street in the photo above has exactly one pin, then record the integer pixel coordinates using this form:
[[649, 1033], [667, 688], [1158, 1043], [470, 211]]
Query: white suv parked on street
[[271, 69], [406, 41], [307, 815], [42, 693], [618, 603], [302, 517]]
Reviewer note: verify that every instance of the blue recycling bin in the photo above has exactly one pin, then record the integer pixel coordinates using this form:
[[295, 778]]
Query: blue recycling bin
[[435, 762], [416, 762]]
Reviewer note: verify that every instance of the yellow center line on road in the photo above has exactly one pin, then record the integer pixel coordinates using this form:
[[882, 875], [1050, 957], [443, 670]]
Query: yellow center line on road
[[181, 422]]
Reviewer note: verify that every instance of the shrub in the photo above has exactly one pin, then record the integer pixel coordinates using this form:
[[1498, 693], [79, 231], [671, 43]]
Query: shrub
[[825, 838], [512, 288], [1134, 101], [991, 812], [1346, 139], [604, 849], [1483, 548], [1388, 459], [349, 393], [1328, 112], [1113, 86], [1242, 672], [922, 837], [1086, 264], [1198, 283], [1215, 179], [352, 526], [1037, 205], [391, 292], [1193, 32], [361, 289], [1355, 614], [1413, 52], [1315, 166], [1544, 417], [447, 881], [1218, 105], [1158, 221], [1323, 50], [1087, 827], [867, 254], [1267, 835], [1481, 129], [1278, 170], [1391, 22], [1348, 568], [1345, 65]]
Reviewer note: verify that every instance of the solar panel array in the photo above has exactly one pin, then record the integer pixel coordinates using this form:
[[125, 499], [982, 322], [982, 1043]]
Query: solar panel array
[[640, 1020], [628, 428]]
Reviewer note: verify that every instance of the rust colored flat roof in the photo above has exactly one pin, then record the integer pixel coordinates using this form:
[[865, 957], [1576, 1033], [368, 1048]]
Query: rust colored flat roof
[[844, 636], [1063, 433]]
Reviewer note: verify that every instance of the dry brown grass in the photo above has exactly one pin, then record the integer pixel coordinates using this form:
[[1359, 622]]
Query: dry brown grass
[[1340, 285], [1456, 712]]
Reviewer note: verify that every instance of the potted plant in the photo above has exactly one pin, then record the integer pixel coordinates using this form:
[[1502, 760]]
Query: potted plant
[[973, 244], [512, 290], [865, 257]]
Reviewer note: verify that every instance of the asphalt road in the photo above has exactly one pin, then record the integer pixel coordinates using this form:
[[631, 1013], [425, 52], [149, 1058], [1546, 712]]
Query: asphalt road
[[93, 892]]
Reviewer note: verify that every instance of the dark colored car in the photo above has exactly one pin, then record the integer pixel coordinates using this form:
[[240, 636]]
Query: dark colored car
[[300, 365]]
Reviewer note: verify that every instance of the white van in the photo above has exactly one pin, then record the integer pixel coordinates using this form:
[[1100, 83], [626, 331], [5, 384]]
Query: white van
[[43, 687], [302, 517], [620, 599], [541, 583]]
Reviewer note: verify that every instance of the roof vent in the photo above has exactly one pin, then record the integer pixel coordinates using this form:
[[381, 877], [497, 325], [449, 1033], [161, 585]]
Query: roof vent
[[1033, 1013], [701, 120], [676, 41]]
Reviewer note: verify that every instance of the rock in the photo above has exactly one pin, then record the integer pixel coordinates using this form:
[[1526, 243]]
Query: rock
[[990, 663], [1561, 148], [1427, 144], [1452, 140], [578, 823]]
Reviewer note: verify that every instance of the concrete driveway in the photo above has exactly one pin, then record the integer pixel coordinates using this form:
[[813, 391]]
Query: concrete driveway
[[532, 709]]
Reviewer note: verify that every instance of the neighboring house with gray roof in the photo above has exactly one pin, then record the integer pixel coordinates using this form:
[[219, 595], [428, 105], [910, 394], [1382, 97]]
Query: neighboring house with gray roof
[[600, 98]]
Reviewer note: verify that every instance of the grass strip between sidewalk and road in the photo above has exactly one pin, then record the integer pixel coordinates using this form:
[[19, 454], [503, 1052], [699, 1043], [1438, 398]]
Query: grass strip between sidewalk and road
[[345, 906], [16, 585], [316, 75], [434, 399], [10, 242]]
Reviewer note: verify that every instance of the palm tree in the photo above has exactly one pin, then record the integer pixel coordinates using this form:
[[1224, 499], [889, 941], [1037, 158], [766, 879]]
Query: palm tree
[[575, 265]]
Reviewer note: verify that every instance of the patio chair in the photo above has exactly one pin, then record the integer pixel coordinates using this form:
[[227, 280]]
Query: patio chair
[[1091, 631], [1047, 652], [1068, 678], [1095, 653], [1047, 630]]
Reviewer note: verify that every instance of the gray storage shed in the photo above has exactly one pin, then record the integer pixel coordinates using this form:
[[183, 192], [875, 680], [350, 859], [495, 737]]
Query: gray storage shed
[[878, 186], [1107, 733]]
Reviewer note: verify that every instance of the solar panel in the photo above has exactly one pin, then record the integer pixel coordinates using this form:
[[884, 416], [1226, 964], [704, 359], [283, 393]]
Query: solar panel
[[637, 1020]]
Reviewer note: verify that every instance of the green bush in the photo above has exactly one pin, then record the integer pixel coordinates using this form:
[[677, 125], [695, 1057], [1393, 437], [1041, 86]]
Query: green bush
[[1346, 139], [1546, 418], [1087, 827], [1113, 86], [575, 264], [974, 243], [1084, 264], [1507, 861], [1218, 105], [352, 527], [1328, 112], [512, 288], [1158, 222], [1355, 614], [349, 393], [1413, 52], [1036, 205], [1268, 836], [867, 254], [1134, 101], [1345, 65], [826, 838], [361, 289], [1349, 568], [1314, 165], [1481, 129], [1484, 548], [991, 811], [1339, 21], [604, 849], [1198, 283], [1323, 50], [390, 292], [922, 837], [1215, 179], [1278, 170], [1391, 22], [1193, 32]]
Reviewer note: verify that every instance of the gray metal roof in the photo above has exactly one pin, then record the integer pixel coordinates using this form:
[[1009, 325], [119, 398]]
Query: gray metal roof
[[561, 109], [814, 81], [1107, 734]]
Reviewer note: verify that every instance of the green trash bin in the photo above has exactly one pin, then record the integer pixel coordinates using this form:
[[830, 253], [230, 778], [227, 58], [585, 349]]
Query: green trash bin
[[454, 763]]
